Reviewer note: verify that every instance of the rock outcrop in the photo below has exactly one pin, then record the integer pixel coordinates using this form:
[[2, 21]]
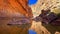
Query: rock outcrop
[[15, 17], [39, 27]]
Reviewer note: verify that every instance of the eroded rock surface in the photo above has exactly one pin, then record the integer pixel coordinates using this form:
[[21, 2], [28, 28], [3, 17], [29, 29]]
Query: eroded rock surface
[[15, 17]]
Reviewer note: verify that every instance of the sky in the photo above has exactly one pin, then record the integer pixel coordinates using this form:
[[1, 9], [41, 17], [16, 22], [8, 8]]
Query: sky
[[31, 2]]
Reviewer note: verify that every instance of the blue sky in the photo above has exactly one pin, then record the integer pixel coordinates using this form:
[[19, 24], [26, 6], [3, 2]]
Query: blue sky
[[31, 2]]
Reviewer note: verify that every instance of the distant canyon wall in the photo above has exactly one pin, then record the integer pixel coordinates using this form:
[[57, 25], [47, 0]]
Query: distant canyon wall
[[53, 5]]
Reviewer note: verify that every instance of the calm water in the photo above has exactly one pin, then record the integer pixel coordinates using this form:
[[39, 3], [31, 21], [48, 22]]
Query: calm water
[[32, 32]]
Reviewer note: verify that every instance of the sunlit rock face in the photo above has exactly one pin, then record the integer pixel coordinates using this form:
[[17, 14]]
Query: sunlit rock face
[[53, 5], [15, 8], [15, 17]]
